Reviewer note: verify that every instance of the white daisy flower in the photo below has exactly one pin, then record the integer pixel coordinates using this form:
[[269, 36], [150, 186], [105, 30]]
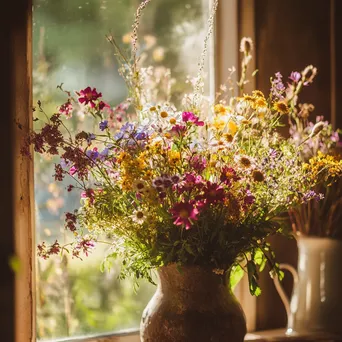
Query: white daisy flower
[[138, 216]]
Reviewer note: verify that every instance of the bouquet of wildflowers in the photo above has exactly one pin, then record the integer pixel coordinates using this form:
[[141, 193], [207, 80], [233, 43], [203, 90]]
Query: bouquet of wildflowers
[[202, 184], [319, 151]]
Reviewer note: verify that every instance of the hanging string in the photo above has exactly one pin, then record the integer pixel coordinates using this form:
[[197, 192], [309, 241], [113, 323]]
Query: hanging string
[[198, 90]]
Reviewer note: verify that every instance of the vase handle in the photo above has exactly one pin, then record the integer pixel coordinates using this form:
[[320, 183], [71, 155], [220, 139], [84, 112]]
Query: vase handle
[[280, 289]]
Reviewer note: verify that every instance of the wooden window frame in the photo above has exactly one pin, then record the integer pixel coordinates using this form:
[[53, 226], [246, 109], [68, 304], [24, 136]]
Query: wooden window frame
[[20, 75]]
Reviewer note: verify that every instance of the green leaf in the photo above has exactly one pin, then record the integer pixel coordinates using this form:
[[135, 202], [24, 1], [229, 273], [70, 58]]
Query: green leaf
[[189, 249], [236, 275], [254, 287], [260, 260]]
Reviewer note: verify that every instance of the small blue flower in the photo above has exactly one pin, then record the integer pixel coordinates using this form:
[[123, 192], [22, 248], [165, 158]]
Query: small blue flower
[[125, 130], [65, 164], [92, 154], [103, 125], [90, 138], [104, 154]]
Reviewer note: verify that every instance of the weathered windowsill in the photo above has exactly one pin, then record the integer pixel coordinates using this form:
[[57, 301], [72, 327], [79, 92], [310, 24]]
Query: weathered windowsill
[[263, 336]]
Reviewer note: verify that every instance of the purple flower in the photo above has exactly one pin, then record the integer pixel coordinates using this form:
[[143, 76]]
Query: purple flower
[[141, 136], [65, 164], [278, 88], [312, 195], [295, 76], [249, 199], [93, 154], [191, 117], [104, 154], [103, 125], [335, 137], [125, 131], [273, 153], [90, 138]]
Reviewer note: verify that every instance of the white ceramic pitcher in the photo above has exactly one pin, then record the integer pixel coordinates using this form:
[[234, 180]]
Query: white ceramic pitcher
[[316, 302]]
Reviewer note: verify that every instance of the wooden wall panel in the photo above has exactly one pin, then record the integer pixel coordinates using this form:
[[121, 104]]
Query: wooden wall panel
[[290, 35], [17, 288], [338, 61], [6, 171]]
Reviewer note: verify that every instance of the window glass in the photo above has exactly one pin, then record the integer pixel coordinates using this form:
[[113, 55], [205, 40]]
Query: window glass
[[69, 46]]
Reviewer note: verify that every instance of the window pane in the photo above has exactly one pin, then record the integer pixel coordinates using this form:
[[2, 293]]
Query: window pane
[[74, 297]]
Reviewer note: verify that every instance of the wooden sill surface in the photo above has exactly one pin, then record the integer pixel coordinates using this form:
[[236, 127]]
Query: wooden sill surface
[[262, 336], [279, 335]]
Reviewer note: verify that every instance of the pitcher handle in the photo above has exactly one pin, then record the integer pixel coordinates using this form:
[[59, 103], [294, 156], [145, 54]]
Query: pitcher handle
[[280, 289]]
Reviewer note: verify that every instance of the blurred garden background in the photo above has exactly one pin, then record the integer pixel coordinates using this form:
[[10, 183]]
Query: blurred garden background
[[75, 297]]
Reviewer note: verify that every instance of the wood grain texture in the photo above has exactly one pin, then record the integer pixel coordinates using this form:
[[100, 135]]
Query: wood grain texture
[[288, 36], [23, 201], [338, 61], [6, 178]]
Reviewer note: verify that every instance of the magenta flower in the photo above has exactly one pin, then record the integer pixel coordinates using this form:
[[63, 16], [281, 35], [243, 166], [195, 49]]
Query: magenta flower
[[66, 109], [189, 182], [87, 96], [103, 105], [228, 175], [198, 163], [89, 194], [178, 130], [73, 170], [191, 117], [184, 214], [213, 193], [85, 244]]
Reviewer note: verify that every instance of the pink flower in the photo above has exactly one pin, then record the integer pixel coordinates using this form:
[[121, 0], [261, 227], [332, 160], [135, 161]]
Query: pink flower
[[189, 182], [228, 175], [178, 130], [66, 109], [213, 193], [103, 105], [86, 244], [89, 194], [72, 170], [191, 117], [184, 214], [198, 163], [295, 76], [88, 96]]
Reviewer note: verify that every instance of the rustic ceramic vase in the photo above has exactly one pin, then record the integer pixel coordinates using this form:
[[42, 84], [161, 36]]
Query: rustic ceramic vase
[[192, 305], [316, 302]]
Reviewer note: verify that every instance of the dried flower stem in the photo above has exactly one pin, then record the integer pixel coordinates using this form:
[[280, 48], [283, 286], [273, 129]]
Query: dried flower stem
[[198, 88], [135, 27]]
